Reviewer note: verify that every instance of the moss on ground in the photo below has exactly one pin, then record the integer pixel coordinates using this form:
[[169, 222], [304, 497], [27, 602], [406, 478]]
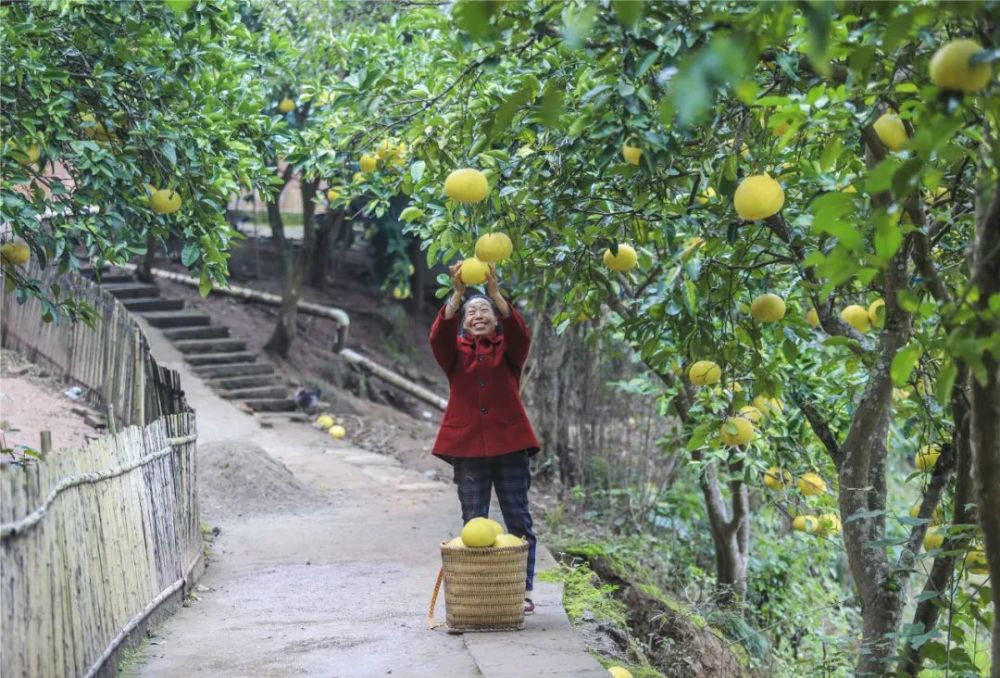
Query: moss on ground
[[583, 592]]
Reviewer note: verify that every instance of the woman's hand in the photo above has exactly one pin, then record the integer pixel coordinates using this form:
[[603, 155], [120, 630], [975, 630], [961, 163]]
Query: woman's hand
[[456, 278], [493, 290], [455, 301]]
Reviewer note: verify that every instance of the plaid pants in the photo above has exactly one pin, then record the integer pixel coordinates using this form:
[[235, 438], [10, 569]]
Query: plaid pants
[[510, 476]]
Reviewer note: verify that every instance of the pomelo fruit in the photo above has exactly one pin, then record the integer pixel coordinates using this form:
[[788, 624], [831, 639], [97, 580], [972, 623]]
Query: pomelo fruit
[[456, 543], [950, 67], [933, 539], [812, 317], [891, 132], [368, 162], [632, 154], [619, 672], [810, 484], [493, 247], [165, 201], [736, 431], [767, 308], [466, 185], [975, 562], [15, 253], [29, 154], [758, 197], [691, 246], [751, 414], [926, 457], [400, 293], [767, 405], [332, 194], [876, 313], [777, 478], [337, 432], [286, 105], [707, 195], [497, 527], [704, 372], [478, 533], [935, 517], [806, 524], [473, 271], [857, 317], [828, 523], [324, 421], [507, 540], [624, 261]]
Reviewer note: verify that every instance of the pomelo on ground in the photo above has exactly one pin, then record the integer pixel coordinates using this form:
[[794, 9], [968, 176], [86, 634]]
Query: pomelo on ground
[[466, 185], [619, 672], [623, 261], [324, 421], [704, 372], [758, 197], [337, 432]]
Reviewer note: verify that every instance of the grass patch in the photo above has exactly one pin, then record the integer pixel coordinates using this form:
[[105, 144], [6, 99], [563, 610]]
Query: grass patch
[[583, 592]]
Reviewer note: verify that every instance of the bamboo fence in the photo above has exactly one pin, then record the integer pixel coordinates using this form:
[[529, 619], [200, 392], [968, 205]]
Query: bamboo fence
[[94, 541]]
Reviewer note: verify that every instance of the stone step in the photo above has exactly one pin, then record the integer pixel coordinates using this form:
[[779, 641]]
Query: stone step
[[109, 277], [199, 359], [244, 381], [153, 304], [177, 318], [210, 345], [255, 393], [131, 290], [200, 332], [270, 404], [233, 370]]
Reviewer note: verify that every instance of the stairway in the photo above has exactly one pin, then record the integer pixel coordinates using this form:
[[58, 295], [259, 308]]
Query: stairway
[[219, 359]]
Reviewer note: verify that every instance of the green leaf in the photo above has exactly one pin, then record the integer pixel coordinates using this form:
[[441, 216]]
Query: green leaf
[[204, 284], [551, 106], [577, 23], [903, 363], [417, 170], [411, 214], [189, 254], [945, 381], [628, 12], [888, 237]]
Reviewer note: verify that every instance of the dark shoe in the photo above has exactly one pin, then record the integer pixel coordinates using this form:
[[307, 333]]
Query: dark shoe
[[529, 607]]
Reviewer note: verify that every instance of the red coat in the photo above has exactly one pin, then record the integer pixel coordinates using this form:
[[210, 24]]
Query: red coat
[[485, 416]]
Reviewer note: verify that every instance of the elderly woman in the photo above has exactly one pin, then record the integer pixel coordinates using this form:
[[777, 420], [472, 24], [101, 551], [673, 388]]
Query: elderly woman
[[481, 343]]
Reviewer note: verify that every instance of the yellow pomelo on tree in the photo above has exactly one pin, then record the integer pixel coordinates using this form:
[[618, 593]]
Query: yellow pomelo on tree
[[876, 313], [750, 413], [368, 162], [98, 131], [975, 562], [777, 478], [473, 271], [926, 457], [708, 194], [400, 293], [165, 201], [935, 517], [806, 524], [332, 194], [15, 253], [632, 154], [623, 261], [758, 197], [507, 540], [736, 431], [286, 105], [828, 523], [767, 405], [619, 672], [324, 421], [812, 317], [478, 533], [891, 132], [938, 194], [704, 372], [493, 247], [29, 154], [933, 539], [950, 68], [466, 185], [691, 246], [337, 432], [857, 317], [810, 484], [767, 308]]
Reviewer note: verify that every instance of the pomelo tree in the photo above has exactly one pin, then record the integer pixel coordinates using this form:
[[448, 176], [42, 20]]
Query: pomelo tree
[[643, 125], [124, 122]]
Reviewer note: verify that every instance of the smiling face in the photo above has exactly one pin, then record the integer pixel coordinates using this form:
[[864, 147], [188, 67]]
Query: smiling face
[[479, 319]]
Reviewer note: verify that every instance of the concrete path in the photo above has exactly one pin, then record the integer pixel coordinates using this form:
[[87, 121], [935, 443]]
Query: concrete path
[[343, 589]]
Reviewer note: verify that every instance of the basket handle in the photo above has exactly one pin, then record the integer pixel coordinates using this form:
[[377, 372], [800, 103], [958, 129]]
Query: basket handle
[[434, 596]]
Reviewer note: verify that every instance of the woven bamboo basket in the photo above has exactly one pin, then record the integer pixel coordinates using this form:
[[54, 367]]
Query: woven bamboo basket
[[483, 588]]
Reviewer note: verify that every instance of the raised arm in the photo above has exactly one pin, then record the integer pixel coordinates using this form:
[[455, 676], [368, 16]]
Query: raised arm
[[444, 331]]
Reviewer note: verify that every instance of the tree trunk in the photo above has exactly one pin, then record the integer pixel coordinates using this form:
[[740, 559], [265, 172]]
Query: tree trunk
[[293, 269], [144, 272], [326, 236], [985, 406]]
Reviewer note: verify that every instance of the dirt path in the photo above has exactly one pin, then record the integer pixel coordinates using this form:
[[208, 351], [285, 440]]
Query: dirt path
[[336, 582]]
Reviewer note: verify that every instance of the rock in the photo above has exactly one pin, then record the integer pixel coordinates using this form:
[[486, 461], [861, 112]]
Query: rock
[[431, 474]]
